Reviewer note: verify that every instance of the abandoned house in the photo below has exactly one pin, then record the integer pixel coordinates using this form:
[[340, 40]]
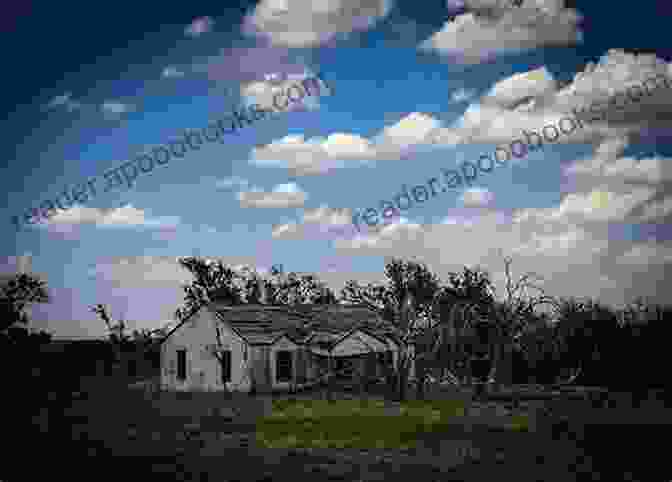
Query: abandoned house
[[263, 347]]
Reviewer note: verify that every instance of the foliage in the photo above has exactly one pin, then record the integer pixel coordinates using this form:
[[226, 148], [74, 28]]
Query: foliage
[[406, 300], [214, 280], [404, 279], [16, 293]]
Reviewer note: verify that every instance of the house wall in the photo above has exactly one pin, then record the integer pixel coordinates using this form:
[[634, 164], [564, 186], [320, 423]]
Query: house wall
[[203, 369], [261, 368]]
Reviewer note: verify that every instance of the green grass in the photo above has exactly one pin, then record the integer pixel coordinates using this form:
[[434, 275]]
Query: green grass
[[361, 423]]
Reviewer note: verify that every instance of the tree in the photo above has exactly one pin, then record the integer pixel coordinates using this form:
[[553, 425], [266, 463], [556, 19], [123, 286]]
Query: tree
[[471, 301], [212, 280], [281, 288], [454, 312], [17, 292], [588, 333], [128, 348], [516, 312], [404, 300], [20, 347], [216, 281]]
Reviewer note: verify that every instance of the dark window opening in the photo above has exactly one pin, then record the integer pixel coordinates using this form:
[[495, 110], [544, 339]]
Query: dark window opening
[[225, 362], [283, 366], [181, 364]]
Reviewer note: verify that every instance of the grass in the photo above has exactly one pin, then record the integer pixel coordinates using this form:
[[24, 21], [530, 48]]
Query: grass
[[367, 423]]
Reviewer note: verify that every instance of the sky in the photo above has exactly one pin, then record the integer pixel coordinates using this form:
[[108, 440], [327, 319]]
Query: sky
[[409, 89]]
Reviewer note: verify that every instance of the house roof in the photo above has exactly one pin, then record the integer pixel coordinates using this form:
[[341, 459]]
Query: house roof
[[260, 324], [264, 324]]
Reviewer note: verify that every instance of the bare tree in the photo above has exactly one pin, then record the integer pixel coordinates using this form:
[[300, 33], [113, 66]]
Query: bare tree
[[405, 300], [517, 311]]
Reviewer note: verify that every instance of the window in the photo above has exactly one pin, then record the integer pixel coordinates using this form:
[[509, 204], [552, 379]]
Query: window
[[283, 366], [225, 365], [181, 364]]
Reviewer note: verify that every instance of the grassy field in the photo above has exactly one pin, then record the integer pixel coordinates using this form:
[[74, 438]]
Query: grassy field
[[367, 423]]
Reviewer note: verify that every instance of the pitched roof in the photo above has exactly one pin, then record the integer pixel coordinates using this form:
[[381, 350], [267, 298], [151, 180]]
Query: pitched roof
[[265, 324], [261, 324]]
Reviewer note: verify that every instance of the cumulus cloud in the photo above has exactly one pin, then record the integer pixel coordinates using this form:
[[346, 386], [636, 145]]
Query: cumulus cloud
[[463, 95], [243, 65], [523, 87], [643, 254], [570, 243], [115, 109], [295, 23], [493, 28], [574, 260], [514, 109], [199, 26], [282, 196], [318, 223], [141, 270], [477, 197], [313, 156], [172, 72], [320, 155], [619, 86], [264, 92], [66, 101], [123, 217], [653, 170]]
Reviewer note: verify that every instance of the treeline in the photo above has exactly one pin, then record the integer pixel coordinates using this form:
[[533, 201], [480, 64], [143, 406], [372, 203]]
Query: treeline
[[577, 341], [614, 348]]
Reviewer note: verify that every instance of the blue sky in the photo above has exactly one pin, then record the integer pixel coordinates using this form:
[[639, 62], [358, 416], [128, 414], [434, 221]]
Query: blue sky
[[410, 93]]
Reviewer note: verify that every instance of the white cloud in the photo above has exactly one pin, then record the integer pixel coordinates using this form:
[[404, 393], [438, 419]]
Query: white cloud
[[574, 260], [141, 271], [571, 243], [313, 156], [463, 95], [321, 222], [263, 93], [477, 197], [295, 23], [511, 91], [199, 26], [597, 205], [413, 129], [532, 101], [66, 101], [645, 254], [282, 196], [125, 216], [172, 72], [319, 155], [115, 108], [652, 170], [474, 37], [657, 210]]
